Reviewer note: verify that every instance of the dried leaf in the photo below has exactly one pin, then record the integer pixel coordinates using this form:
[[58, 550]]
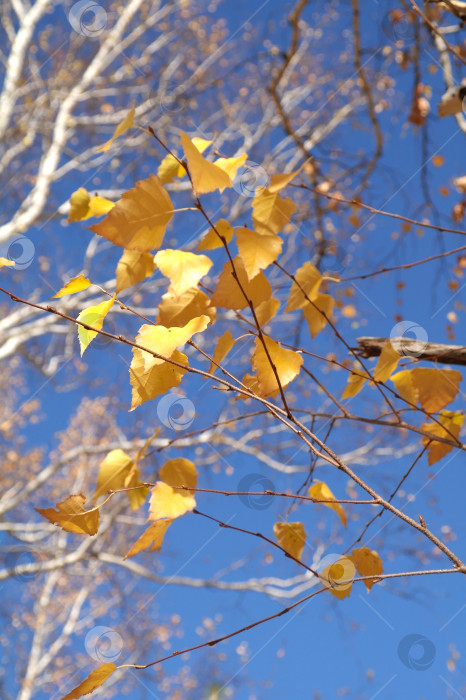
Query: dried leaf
[[367, 563], [92, 682], [151, 539], [72, 517], [451, 424], [292, 537], [320, 490]]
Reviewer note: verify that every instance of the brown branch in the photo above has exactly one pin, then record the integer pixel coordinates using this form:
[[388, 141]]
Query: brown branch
[[432, 352]]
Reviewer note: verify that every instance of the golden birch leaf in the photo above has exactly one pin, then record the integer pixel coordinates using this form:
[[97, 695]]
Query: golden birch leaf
[[71, 516], [166, 502], [267, 310], [179, 472], [436, 388], [93, 316], [169, 168], [308, 278], [386, 363], [164, 341], [4, 262], [270, 212], [184, 270], [404, 386], [98, 206], [151, 539], [338, 577], [367, 563], [206, 176], [77, 284], [139, 219], [177, 310], [228, 294], [287, 363], [133, 267], [79, 205], [211, 241], [257, 251], [231, 165], [321, 490], [149, 380], [292, 537], [251, 383], [315, 319], [92, 682], [123, 126], [451, 424], [136, 496], [355, 384], [223, 347], [113, 471], [279, 181]]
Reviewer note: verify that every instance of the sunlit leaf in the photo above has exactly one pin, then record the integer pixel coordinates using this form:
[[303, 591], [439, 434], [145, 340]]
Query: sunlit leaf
[[177, 310], [321, 490], [251, 383], [83, 206], [139, 219], [98, 206], [338, 577], [315, 319], [92, 682], [386, 363], [223, 347], [4, 262], [179, 472], [77, 284], [404, 386], [279, 181], [367, 563], [123, 126], [292, 537], [287, 363], [436, 388], [228, 294], [231, 165], [113, 471], [451, 424], [164, 341], [71, 516], [270, 212], [308, 279], [206, 176], [151, 380], [211, 241], [267, 310], [170, 168], [133, 267], [93, 316], [166, 502], [184, 270], [355, 383], [257, 251], [151, 539]]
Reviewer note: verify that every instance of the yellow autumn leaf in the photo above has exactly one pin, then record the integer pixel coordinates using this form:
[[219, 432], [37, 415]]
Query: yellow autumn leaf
[[98, 206], [287, 363], [386, 363], [231, 165], [228, 294], [164, 341], [133, 267], [355, 383], [149, 380], [177, 310], [292, 537], [267, 310], [279, 181], [338, 577], [77, 284], [450, 425], [367, 563], [123, 126], [320, 490], [308, 280], [92, 682], [179, 472], [184, 270], [257, 251], [223, 347], [211, 240], [79, 205], [170, 168], [4, 262], [93, 316], [436, 388], [139, 219], [71, 516], [113, 471], [404, 386], [166, 502], [206, 176], [270, 212], [315, 319], [151, 539], [251, 383]]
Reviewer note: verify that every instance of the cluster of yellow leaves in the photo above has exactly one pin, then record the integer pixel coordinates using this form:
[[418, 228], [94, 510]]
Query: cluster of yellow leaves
[[338, 576]]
